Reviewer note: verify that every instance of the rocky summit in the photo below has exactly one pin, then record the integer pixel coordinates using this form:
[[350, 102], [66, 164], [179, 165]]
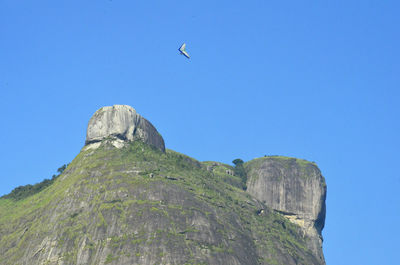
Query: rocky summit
[[125, 199], [121, 123]]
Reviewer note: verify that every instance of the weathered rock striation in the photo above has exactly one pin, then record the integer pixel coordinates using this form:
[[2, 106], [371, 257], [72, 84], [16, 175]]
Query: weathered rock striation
[[294, 188], [121, 123], [125, 199]]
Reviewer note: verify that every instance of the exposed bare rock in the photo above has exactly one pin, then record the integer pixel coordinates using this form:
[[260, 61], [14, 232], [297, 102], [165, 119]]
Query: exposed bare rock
[[121, 123], [294, 188]]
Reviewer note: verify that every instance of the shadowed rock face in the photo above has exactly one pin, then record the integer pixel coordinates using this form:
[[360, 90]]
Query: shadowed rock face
[[123, 123], [296, 189]]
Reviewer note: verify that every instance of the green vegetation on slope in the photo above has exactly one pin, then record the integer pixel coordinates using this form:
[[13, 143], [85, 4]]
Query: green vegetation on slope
[[240, 171], [22, 192], [224, 173], [286, 159], [114, 182], [305, 167]]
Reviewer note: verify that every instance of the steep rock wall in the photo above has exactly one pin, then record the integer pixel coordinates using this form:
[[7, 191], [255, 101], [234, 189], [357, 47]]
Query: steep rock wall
[[294, 188]]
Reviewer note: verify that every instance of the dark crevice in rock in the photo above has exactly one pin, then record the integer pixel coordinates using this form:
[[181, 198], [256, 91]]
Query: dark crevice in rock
[[284, 213]]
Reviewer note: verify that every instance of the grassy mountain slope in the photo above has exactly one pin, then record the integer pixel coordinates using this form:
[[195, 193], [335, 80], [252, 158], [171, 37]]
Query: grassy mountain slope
[[138, 205]]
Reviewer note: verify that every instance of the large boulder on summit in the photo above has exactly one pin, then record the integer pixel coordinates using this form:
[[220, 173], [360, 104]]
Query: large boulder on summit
[[122, 123], [296, 189]]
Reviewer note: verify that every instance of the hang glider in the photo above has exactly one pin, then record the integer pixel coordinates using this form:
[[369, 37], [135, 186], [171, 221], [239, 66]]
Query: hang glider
[[183, 51]]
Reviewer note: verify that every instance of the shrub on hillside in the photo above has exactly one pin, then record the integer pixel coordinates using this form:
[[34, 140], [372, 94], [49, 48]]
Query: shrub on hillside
[[25, 191]]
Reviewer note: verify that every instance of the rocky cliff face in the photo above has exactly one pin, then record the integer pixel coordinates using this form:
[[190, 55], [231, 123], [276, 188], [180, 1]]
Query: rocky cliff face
[[126, 200], [296, 189], [121, 123]]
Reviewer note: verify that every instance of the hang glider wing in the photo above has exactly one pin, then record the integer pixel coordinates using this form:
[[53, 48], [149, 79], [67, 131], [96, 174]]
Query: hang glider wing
[[186, 54], [183, 51]]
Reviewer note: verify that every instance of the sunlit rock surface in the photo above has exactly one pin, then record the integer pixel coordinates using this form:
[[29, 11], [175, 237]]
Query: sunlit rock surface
[[122, 122], [296, 189]]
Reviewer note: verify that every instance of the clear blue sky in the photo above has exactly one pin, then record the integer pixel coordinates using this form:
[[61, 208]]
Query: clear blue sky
[[314, 80]]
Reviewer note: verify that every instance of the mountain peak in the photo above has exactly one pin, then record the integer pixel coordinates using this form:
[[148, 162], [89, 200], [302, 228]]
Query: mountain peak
[[121, 123], [140, 205]]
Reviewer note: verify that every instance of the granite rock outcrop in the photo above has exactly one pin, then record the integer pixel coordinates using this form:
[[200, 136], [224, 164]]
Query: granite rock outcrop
[[296, 189], [121, 123]]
